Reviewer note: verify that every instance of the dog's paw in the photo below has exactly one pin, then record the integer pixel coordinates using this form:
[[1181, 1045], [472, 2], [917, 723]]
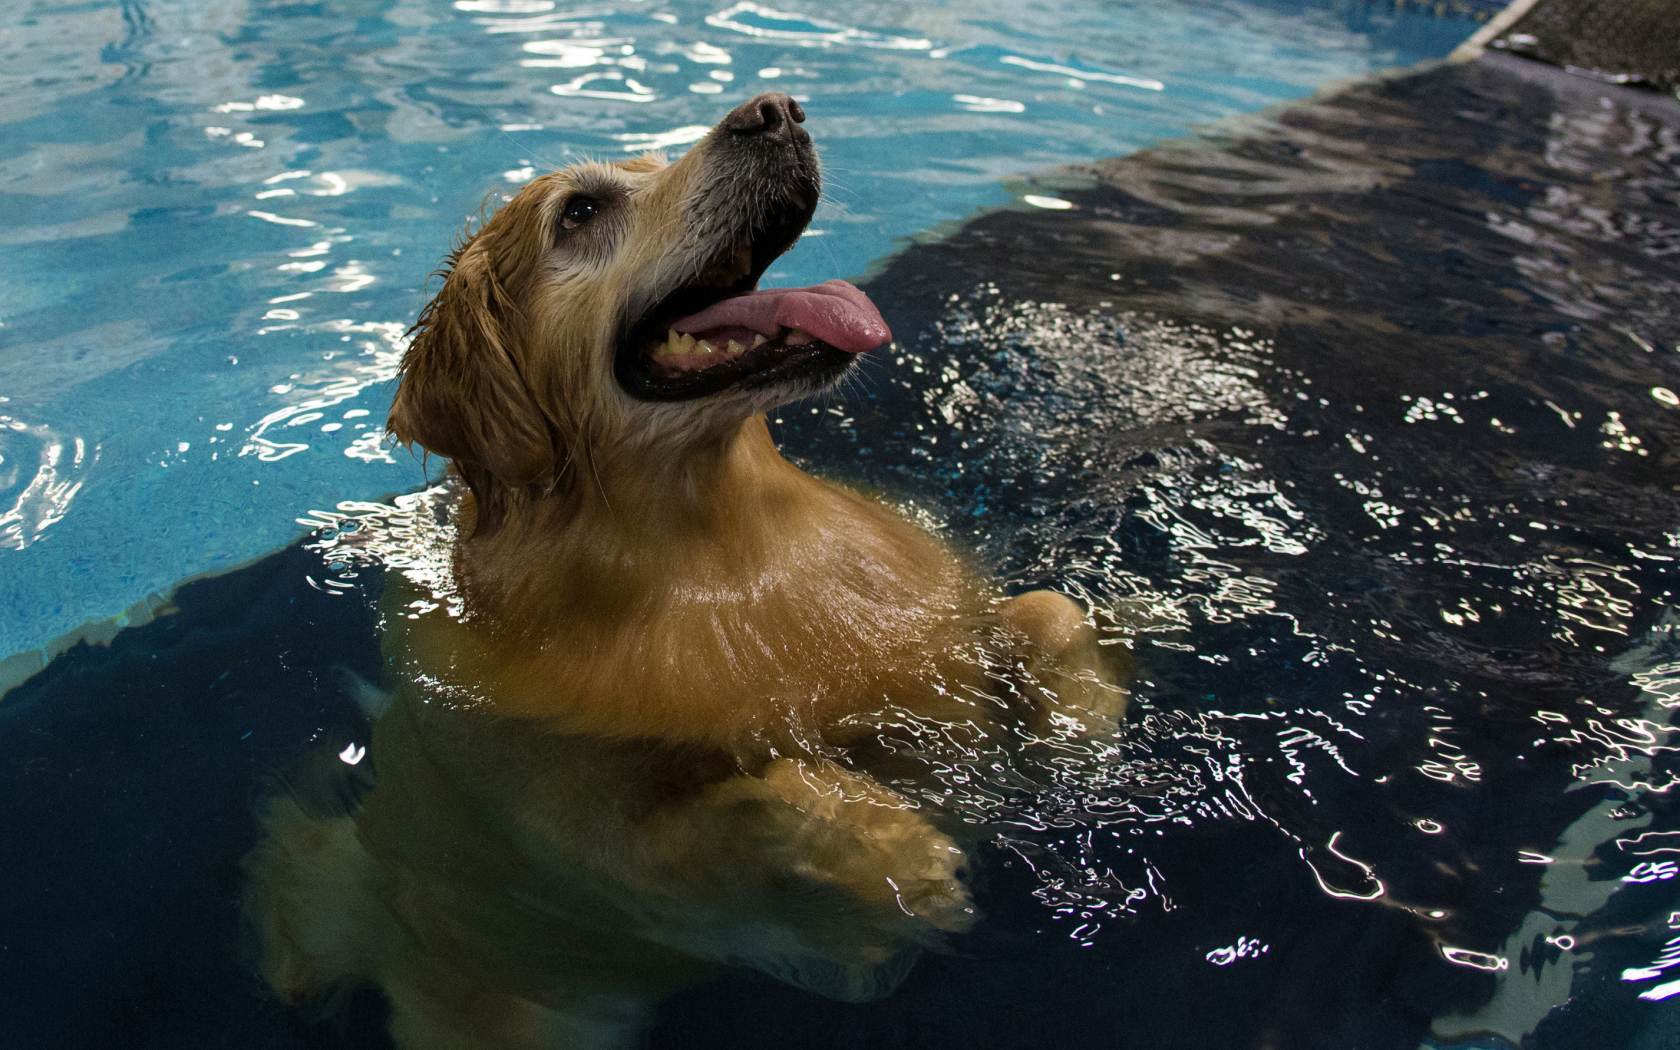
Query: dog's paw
[[1077, 678], [923, 867], [874, 843]]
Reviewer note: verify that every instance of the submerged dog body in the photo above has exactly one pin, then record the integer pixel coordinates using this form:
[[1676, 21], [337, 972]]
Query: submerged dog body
[[640, 748], [728, 601]]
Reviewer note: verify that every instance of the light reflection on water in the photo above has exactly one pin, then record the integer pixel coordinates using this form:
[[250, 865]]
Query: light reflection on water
[[213, 210], [1407, 626], [1029, 385], [1081, 464]]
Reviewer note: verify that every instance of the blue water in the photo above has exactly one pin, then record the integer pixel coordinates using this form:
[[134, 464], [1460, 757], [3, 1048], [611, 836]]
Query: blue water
[[217, 219], [1357, 426]]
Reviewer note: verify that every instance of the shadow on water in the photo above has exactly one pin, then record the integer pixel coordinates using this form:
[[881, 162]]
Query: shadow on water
[[131, 774], [1360, 418]]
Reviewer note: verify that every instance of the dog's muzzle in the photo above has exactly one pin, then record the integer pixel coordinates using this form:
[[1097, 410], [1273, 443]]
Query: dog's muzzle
[[717, 331]]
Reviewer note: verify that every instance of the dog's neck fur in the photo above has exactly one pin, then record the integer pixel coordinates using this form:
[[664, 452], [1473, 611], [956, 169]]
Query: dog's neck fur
[[653, 602]]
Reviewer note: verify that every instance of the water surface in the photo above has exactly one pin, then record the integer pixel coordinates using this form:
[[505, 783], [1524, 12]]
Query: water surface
[[217, 219], [1359, 425]]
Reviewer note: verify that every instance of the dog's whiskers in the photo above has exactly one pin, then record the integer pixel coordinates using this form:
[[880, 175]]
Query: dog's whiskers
[[589, 458]]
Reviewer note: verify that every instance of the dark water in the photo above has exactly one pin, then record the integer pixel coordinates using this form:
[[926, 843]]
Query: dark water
[[1360, 422]]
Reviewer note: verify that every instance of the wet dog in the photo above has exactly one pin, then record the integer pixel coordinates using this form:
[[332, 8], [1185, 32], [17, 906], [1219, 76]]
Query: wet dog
[[652, 739]]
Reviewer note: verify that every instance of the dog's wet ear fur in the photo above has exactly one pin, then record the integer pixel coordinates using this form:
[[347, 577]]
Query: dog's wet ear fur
[[463, 393]]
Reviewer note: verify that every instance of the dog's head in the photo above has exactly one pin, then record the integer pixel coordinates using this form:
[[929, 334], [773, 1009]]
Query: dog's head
[[612, 308]]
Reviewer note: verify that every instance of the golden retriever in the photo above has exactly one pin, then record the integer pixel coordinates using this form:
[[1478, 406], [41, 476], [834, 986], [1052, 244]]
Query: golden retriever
[[650, 743]]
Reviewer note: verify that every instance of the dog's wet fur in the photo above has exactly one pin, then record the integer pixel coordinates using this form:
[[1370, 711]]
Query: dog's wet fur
[[639, 752]]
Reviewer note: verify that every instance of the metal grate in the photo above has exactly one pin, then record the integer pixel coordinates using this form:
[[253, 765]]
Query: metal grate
[[1620, 41]]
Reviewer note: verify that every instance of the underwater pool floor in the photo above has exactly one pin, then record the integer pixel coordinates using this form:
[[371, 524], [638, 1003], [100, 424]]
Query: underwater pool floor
[[1359, 417]]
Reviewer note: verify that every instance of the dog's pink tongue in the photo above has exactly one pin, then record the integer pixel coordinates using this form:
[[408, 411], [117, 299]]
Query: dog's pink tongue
[[834, 311]]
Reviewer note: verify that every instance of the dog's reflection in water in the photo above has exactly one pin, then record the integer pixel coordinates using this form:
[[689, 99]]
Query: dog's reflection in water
[[657, 738]]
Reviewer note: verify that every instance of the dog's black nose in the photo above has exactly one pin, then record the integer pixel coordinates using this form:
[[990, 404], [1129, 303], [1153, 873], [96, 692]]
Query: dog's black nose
[[771, 115]]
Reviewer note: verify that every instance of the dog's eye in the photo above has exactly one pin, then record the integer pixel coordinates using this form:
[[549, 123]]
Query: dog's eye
[[579, 210]]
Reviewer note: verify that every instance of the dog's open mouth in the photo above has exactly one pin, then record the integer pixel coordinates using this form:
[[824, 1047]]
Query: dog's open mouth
[[721, 332]]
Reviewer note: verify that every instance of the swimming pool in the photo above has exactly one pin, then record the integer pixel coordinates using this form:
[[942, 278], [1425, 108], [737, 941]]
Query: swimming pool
[[219, 219], [1360, 421]]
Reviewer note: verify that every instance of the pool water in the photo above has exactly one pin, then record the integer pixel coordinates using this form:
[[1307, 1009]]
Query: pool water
[[219, 218], [1357, 421]]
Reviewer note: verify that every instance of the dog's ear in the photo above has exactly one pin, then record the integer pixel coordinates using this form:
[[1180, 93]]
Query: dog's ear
[[463, 393]]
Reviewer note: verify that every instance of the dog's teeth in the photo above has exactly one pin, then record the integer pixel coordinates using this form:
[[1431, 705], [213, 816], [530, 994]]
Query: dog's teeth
[[682, 344], [758, 341], [676, 344], [798, 337]]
